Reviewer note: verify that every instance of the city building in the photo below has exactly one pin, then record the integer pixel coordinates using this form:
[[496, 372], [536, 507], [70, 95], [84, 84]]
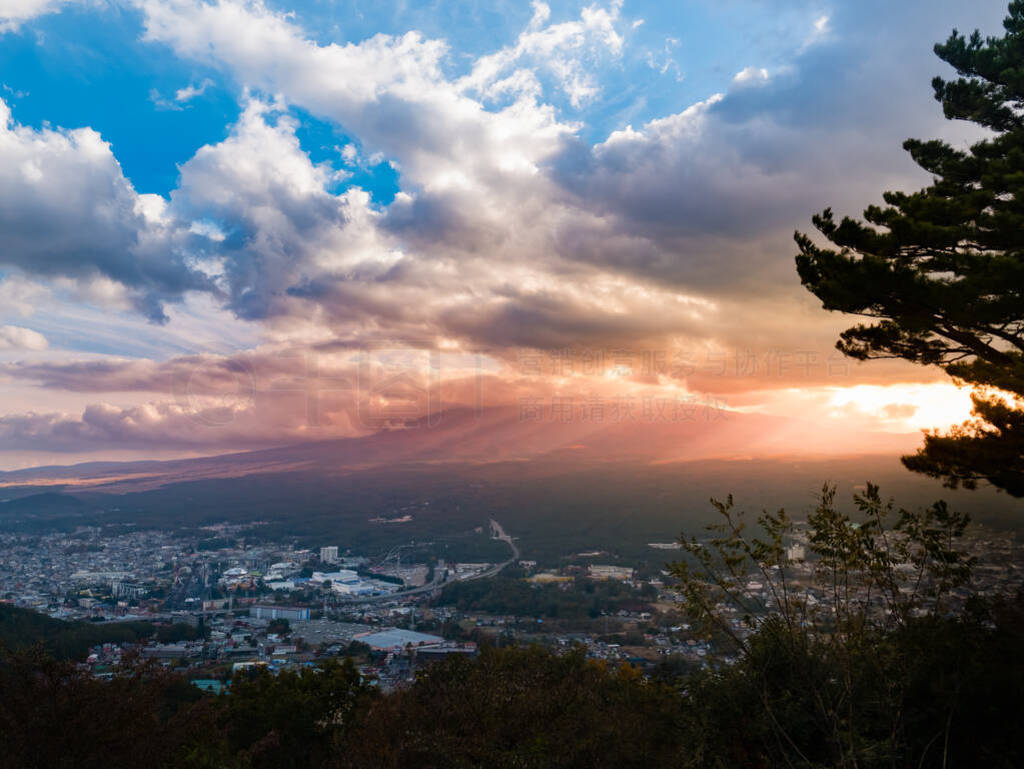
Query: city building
[[610, 572], [122, 589], [280, 612], [438, 653], [396, 639], [329, 554], [340, 577]]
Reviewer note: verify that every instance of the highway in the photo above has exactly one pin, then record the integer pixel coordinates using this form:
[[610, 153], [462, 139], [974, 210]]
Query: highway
[[497, 532]]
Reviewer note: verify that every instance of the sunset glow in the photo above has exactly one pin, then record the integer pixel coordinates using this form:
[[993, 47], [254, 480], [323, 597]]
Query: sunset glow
[[905, 407], [263, 219]]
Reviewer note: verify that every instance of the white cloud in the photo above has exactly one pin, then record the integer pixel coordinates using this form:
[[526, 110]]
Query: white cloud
[[260, 196], [666, 62], [18, 338], [190, 91], [508, 230], [67, 211], [472, 180], [181, 97], [350, 153], [749, 76], [561, 49], [21, 297], [389, 91], [821, 31], [14, 13], [505, 219]]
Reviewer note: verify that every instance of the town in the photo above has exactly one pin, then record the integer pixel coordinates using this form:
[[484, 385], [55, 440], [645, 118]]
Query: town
[[223, 602]]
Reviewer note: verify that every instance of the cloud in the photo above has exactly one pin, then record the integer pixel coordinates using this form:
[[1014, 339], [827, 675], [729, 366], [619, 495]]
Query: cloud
[[483, 244], [21, 297], [509, 229], [18, 338], [899, 410], [290, 251], [511, 232], [821, 30], [330, 372], [390, 91], [667, 62], [561, 49], [750, 76], [190, 91], [275, 222], [14, 13], [67, 211], [152, 426], [276, 396], [181, 97], [708, 197], [257, 398], [205, 374]]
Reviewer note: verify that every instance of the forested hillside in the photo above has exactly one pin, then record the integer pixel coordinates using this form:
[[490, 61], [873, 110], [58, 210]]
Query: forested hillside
[[21, 628]]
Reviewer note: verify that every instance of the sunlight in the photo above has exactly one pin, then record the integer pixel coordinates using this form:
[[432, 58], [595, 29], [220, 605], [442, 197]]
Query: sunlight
[[905, 406]]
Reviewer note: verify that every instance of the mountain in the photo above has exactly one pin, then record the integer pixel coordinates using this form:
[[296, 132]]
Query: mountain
[[490, 436], [560, 487]]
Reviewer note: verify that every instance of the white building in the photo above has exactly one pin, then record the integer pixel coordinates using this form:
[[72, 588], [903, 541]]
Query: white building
[[795, 552], [329, 554], [122, 589], [282, 569], [280, 612], [281, 584], [600, 571], [357, 588], [340, 577], [396, 639]]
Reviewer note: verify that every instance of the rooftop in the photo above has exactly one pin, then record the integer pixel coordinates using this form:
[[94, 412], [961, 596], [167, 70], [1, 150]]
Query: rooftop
[[397, 638]]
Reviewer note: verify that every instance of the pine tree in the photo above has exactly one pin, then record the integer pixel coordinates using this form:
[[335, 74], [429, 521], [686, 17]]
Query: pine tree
[[941, 271]]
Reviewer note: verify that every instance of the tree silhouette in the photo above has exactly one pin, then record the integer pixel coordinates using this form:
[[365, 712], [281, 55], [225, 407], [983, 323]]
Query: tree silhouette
[[941, 271]]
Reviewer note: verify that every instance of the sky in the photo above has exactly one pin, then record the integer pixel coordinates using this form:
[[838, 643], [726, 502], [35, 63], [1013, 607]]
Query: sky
[[229, 225]]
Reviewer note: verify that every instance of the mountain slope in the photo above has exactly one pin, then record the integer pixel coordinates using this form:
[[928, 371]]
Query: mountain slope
[[496, 435]]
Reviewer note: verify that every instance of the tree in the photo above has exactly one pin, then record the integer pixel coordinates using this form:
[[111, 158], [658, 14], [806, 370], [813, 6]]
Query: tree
[[866, 573], [520, 708], [55, 714], [279, 626], [293, 719], [941, 271], [863, 654]]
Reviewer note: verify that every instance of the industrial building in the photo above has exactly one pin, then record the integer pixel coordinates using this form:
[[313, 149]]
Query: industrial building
[[280, 612], [396, 639]]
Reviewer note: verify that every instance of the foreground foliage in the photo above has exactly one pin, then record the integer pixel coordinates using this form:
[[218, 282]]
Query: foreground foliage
[[522, 708], [954, 684], [869, 653], [935, 693]]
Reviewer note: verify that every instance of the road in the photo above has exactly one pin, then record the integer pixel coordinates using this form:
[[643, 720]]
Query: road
[[499, 533]]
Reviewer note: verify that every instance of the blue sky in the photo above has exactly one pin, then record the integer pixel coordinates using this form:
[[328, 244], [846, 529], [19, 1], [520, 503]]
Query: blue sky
[[202, 182], [88, 66]]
